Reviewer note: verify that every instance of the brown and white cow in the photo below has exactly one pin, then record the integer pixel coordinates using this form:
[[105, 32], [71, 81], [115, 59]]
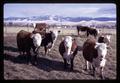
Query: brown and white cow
[[68, 49], [94, 53], [40, 28], [27, 41]]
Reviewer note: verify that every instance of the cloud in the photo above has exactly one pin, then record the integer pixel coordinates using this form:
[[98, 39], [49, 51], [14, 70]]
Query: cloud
[[86, 10]]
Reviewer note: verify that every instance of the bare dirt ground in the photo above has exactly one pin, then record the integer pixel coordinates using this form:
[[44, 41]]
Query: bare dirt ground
[[51, 66]]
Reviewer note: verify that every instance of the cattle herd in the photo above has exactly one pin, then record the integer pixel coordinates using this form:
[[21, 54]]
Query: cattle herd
[[94, 49]]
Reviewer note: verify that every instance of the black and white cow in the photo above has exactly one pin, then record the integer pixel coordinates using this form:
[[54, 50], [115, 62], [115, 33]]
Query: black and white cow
[[89, 31], [49, 40]]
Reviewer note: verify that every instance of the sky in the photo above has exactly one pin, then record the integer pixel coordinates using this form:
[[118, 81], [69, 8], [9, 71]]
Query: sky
[[72, 10]]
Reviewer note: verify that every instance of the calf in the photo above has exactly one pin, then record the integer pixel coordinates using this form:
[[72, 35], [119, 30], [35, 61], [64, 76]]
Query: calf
[[68, 50]]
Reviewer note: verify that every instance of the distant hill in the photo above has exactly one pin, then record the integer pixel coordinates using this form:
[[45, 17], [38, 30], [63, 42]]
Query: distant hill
[[101, 22], [59, 18]]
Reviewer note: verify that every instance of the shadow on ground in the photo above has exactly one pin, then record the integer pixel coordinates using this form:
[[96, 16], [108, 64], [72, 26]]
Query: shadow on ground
[[10, 48], [43, 63]]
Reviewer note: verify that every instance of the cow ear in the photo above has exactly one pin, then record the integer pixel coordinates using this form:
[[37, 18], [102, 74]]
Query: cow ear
[[96, 45], [62, 38], [50, 31], [59, 31], [108, 47], [73, 39]]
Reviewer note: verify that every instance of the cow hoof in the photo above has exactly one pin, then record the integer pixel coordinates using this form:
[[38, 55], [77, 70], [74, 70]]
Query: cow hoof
[[85, 69], [92, 74], [71, 69], [35, 63], [65, 67], [28, 63], [102, 77]]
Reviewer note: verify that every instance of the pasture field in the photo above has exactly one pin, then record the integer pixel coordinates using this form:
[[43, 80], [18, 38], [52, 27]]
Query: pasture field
[[51, 66]]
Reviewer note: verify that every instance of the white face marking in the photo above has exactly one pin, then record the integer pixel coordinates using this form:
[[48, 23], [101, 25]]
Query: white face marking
[[102, 51], [34, 25], [98, 31], [108, 38], [55, 32], [68, 45], [36, 39]]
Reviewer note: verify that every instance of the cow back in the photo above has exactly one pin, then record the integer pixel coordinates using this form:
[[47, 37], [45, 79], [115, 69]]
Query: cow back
[[24, 42]]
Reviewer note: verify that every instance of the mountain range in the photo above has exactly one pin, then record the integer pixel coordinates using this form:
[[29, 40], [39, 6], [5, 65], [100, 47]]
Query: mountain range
[[59, 18]]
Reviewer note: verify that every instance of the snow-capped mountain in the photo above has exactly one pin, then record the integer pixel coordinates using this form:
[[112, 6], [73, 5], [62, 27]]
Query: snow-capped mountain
[[61, 20]]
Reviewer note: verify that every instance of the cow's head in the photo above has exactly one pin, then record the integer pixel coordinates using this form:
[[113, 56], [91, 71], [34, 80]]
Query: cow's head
[[107, 38], [104, 39], [36, 39], [101, 49], [98, 31], [53, 35]]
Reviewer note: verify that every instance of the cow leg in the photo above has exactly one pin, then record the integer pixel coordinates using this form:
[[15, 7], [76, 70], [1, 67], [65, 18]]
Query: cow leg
[[94, 71], [52, 44], [101, 73], [71, 64], [45, 50], [78, 32], [21, 53], [35, 59], [90, 66], [28, 57], [95, 35], [87, 33], [86, 65], [65, 63]]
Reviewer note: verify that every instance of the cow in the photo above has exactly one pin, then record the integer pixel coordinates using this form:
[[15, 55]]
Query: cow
[[104, 39], [92, 31], [81, 28], [49, 40], [88, 30], [27, 41], [94, 53], [40, 28], [68, 49]]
